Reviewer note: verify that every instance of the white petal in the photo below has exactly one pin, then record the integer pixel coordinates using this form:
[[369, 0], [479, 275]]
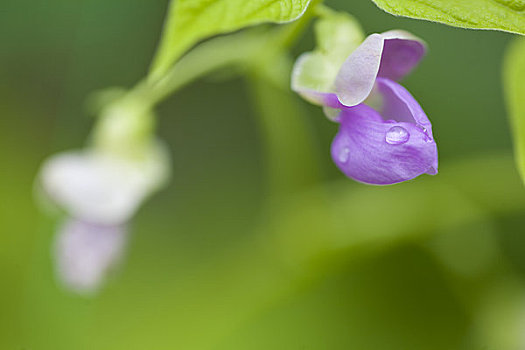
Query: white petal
[[358, 73], [102, 188], [392, 55]]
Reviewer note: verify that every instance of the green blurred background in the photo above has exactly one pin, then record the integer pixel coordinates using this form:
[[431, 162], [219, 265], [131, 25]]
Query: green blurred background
[[218, 260]]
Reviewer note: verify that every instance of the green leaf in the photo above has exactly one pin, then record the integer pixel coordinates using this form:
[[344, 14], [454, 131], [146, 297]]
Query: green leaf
[[505, 15], [514, 80], [190, 21]]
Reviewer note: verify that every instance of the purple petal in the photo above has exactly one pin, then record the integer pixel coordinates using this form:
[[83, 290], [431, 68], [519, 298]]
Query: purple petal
[[401, 53], [399, 105], [327, 99], [374, 151], [85, 253], [391, 55]]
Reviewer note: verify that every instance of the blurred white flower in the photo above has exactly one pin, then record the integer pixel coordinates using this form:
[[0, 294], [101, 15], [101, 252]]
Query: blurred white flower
[[100, 188], [100, 191]]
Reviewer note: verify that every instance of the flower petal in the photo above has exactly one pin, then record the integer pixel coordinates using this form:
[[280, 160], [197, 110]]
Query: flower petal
[[391, 55], [358, 73], [312, 77], [84, 254], [337, 35], [371, 150], [402, 51], [399, 105], [102, 188]]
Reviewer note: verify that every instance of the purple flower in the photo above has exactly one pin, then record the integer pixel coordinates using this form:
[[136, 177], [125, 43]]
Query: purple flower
[[384, 135]]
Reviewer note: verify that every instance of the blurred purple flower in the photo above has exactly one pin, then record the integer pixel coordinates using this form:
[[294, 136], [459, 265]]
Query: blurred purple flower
[[384, 137], [85, 253]]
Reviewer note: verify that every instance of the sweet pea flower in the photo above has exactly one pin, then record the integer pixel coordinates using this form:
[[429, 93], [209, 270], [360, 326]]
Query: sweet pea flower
[[100, 188], [100, 192], [384, 135]]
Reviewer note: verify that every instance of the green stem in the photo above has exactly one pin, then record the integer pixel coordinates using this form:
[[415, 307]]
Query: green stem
[[204, 59], [283, 125], [289, 150], [241, 49]]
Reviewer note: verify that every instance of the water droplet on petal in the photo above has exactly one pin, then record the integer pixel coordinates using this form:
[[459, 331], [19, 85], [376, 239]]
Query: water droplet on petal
[[397, 135], [344, 154], [427, 137]]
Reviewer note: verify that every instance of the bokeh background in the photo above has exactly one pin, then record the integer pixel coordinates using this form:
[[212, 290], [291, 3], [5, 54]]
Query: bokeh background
[[226, 259]]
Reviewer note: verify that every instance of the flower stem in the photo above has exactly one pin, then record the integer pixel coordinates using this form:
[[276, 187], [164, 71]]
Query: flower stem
[[286, 136], [259, 52], [240, 49]]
